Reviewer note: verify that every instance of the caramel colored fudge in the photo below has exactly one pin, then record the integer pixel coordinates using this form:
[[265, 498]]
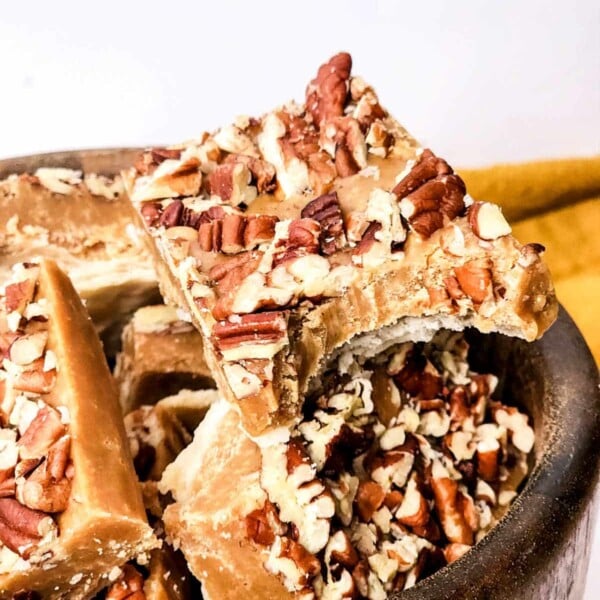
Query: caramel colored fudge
[[82, 221], [63, 522], [161, 354], [321, 225]]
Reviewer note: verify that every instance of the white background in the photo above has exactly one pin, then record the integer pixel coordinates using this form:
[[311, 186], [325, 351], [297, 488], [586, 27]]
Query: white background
[[480, 82]]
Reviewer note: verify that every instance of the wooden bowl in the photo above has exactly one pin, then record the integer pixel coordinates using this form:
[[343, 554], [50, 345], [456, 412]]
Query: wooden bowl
[[540, 549]]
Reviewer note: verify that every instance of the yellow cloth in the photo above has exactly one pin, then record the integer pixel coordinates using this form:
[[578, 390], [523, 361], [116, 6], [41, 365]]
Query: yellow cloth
[[555, 203]]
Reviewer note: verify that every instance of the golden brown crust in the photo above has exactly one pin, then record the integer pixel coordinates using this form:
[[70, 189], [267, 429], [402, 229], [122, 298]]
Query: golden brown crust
[[105, 521]]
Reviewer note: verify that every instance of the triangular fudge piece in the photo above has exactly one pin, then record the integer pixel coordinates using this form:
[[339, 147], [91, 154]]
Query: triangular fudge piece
[[321, 225], [70, 505]]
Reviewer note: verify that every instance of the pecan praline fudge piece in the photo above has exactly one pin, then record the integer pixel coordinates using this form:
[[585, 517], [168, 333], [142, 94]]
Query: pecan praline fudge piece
[[82, 221], [63, 524], [161, 354], [322, 225]]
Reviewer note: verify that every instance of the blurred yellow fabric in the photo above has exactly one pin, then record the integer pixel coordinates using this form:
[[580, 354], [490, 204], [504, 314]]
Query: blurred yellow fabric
[[555, 203]]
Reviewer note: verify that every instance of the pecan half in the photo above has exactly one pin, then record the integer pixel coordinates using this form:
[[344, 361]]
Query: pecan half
[[171, 215], [326, 94], [326, 210], [259, 335], [427, 167], [426, 207]]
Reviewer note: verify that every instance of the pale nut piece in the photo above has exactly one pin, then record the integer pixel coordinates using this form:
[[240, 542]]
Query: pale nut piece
[[27, 348], [242, 382], [487, 221], [369, 498], [414, 510], [454, 551]]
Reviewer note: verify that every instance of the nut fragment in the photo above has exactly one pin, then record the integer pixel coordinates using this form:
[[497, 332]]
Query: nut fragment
[[45, 429], [20, 527], [27, 348], [487, 221], [326, 94], [129, 586], [475, 279], [259, 335], [326, 210]]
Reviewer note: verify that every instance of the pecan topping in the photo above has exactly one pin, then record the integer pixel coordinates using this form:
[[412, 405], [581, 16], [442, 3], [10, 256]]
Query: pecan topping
[[172, 214], [487, 221], [426, 207], [427, 167], [20, 527], [263, 523], [48, 488], [475, 279], [44, 430], [239, 178], [150, 159], [258, 335], [234, 233], [447, 503], [151, 212], [369, 498], [129, 586], [326, 94], [326, 210], [34, 379], [368, 238], [19, 295]]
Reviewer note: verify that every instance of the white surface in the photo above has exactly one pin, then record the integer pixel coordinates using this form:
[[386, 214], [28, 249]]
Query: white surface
[[480, 82]]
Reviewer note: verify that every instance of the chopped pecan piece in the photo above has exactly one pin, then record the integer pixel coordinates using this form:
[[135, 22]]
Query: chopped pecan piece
[[369, 498], [326, 94], [151, 212], [258, 335], [263, 524], [129, 586], [326, 210], [426, 207], [19, 295], [475, 279], [259, 229], [45, 429], [34, 379], [171, 215], [447, 505], [48, 488], [368, 238], [427, 167], [20, 527], [150, 159]]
